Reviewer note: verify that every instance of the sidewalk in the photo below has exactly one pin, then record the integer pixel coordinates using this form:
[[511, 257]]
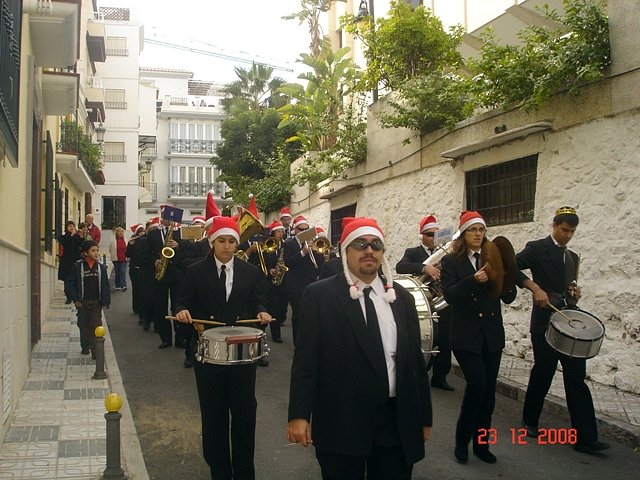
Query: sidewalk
[[58, 431]]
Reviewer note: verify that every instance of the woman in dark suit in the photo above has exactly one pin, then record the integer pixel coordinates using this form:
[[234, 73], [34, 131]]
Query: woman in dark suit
[[69, 253], [477, 334]]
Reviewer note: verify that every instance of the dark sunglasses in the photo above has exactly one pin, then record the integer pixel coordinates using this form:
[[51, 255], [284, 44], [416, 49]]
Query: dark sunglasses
[[359, 244], [429, 234]]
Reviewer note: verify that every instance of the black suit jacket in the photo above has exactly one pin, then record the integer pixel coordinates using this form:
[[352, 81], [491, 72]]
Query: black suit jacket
[[200, 287], [475, 316], [333, 379], [155, 245], [301, 271], [411, 261], [546, 262]]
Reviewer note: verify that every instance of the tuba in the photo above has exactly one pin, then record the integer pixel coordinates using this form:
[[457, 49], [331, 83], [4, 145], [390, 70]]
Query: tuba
[[166, 254]]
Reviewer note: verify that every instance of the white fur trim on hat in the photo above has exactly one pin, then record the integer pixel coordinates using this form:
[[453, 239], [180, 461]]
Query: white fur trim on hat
[[429, 225], [472, 221], [224, 231], [360, 232]]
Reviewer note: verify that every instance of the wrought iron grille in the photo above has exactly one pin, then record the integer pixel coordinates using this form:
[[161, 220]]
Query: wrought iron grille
[[194, 189], [504, 193], [10, 16], [192, 146]]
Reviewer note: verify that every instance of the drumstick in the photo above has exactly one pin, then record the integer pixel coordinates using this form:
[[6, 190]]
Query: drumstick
[[560, 312], [195, 320], [253, 320]]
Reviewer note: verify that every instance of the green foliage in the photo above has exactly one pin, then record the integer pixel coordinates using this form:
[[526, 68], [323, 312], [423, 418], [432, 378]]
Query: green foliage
[[251, 153], [310, 13], [349, 149], [255, 89], [74, 140], [547, 61], [411, 42]]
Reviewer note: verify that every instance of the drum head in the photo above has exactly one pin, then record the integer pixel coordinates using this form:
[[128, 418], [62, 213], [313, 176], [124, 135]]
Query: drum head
[[224, 332], [578, 324]]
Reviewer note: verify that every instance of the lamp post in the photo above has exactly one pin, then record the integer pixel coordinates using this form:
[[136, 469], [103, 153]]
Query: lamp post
[[366, 10]]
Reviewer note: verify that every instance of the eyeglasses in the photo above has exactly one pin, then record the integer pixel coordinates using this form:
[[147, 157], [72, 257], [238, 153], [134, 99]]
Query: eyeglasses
[[476, 230], [360, 245], [429, 234]]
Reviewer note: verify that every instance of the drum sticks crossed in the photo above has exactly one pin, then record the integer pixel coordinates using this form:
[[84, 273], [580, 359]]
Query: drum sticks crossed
[[213, 322]]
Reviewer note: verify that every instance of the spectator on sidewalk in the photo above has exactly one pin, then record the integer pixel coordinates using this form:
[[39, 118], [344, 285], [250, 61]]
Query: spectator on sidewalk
[[118, 252], [69, 253], [88, 286], [92, 229]]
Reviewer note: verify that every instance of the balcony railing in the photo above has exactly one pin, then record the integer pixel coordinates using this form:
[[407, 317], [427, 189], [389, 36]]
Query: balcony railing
[[116, 105], [117, 52], [180, 101], [115, 158], [152, 187], [192, 146], [94, 82], [195, 189]]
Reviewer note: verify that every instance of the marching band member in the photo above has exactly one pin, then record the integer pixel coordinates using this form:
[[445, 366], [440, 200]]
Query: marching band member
[[135, 269], [302, 270], [285, 219], [226, 288], [358, 373], [477, 333], [554, 270], [412, 263], [278, 299]]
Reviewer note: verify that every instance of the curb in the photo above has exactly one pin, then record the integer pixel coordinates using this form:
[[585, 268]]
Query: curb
[[609, 427]]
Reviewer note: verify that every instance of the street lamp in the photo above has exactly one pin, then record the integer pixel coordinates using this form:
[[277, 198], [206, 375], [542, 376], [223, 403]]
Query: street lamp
[[365, 10]]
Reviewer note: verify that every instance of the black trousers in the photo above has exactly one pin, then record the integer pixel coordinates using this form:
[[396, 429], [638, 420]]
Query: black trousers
[[278, 301], [295, 299], [135, 274], [442, 361], [480, 372], [162, 293], [386, 461], [224, 390], [89, 317], [579, 401]]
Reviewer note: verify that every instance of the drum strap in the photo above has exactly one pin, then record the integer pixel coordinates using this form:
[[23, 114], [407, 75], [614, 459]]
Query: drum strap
[[375, 340], [569, 270]]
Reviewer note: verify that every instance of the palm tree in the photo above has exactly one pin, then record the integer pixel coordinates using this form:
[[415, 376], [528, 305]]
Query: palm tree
[[254, 90], [310, 13]]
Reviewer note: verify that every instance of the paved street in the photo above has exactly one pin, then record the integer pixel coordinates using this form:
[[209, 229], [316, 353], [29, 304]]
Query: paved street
[[164, 405]]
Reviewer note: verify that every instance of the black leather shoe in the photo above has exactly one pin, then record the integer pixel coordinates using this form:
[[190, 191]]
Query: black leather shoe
[[188, 363], [461, 454], [443, 385], [85, 351], [591, 447], [263, 362], [146, 326], [531, 431], [485, 455], [164, 345], [277, 340]]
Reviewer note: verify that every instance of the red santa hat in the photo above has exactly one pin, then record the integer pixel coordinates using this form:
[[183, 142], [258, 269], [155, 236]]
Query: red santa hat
[[198, 220], [136, 227], [154, 222], [352, 228], [320, 232], [211, 209], [299, 220], [468, 218], [285, 213], [428, 222], [275, 225], [223, 226]]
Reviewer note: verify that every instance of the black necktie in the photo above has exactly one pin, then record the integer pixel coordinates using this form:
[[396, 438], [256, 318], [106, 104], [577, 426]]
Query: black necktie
[[375, 339], [477, 257], [223, 282]]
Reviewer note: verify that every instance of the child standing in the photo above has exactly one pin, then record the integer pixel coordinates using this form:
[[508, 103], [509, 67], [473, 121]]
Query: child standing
[[89, 290]]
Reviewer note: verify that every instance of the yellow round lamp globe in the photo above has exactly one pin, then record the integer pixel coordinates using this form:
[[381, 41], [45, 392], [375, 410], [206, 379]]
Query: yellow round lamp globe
[[100, 331], [113, 402]]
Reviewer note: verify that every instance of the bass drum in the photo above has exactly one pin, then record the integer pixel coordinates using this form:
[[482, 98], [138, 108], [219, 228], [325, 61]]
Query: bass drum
[[427, 318], [575, 333]]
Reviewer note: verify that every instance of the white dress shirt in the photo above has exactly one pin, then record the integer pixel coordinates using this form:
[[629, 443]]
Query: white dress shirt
[[228, 272]]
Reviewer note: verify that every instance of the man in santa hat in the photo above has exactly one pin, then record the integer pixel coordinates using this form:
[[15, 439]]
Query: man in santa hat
[[413, 263], [285, 219], [225, 288], [358, 372], [303, 270]]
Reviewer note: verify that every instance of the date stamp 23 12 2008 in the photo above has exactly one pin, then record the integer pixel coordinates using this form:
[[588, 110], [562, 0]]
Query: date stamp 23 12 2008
[[546, 436]]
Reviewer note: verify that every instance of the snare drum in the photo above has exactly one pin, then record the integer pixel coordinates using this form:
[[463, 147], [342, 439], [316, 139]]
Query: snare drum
[[231, 346], [428, 321], [575, 333]]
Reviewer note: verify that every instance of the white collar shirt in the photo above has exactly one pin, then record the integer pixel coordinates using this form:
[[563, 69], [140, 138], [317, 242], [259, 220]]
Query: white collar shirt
[[472, 258], [388, 329], [228, 270]]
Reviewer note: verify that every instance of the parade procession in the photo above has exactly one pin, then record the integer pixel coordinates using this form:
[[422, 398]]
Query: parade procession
[[319, 239]]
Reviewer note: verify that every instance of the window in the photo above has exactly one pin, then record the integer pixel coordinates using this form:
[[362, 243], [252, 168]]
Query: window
[[114, 212], [114, 152], [117, 47], [48, 191], [503, 193], [115, 98], [10, 30], [336, 221]]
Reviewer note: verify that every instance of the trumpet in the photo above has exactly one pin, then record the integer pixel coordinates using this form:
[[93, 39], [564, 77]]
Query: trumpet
[[270, 245], [321, 245]]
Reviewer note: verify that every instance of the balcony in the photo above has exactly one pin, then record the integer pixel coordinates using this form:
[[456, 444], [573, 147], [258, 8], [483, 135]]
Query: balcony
[[192, 146], [78, 157], [60, 92], [55, 31], [177, 189], [96, 41], [147, 193], [94, 99]]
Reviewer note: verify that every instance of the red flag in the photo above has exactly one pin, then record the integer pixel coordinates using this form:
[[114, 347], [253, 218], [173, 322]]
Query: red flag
[[253, 209], [211, 209]]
